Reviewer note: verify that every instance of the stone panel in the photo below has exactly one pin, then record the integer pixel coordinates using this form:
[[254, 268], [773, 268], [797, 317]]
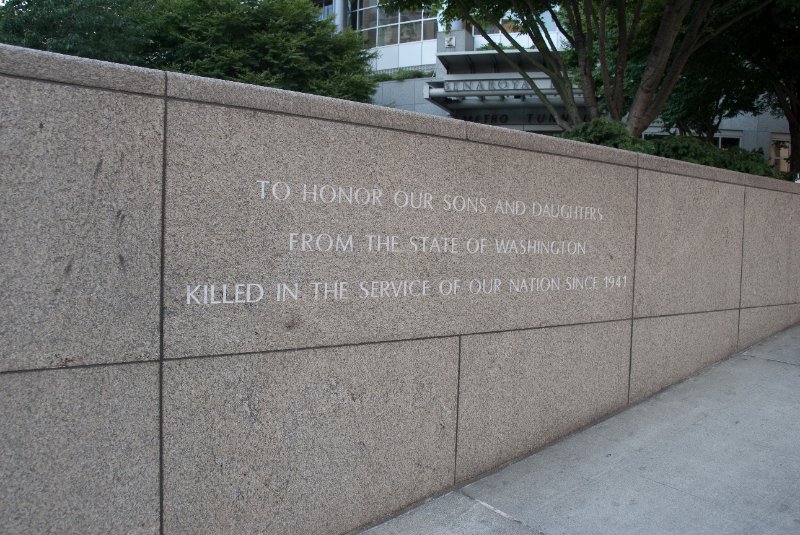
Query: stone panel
[[220, 231], [80, 220], [184, 86], [80, 450], [522, 390], [507, 137], [771, 249], [29, 63], [678, 167], [688, 246], [669, 349], [756, 324], [795, 267], [319, 441]]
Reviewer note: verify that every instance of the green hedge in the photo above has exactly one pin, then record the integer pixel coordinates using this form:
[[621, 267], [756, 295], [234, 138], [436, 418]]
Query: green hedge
[[689, 149], [402, 74], [609, 134]]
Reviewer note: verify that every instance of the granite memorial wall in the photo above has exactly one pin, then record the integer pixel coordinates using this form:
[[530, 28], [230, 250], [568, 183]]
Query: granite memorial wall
[[232, 309]]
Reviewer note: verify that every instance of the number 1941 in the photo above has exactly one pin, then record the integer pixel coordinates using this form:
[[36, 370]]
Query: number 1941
[[615, 281]]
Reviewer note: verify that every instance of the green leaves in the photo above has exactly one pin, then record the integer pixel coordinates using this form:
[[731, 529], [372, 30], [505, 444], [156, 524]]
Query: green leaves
[[608, 133], [280, 43], [100, 29], [686, 148], [717, 83]]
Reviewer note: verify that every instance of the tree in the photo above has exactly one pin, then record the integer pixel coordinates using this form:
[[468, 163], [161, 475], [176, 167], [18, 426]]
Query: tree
[[717, 83], [601, 35], [771, 43], [280, 43], [108, 30]]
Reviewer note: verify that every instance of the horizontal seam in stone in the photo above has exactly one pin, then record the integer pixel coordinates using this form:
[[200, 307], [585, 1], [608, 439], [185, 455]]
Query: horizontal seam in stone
[[553, 153], [327, 119], [710, 311], [767, 306], [695, 312], [314, 348], [767, 188], [83, 86], [394, 341], [79, 366], [376, 342]]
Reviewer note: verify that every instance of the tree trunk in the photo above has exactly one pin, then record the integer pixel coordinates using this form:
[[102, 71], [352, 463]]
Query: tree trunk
[[788, 93], [793, 117], [565, 93], [588, 87], [794, 149], [710, 130], [674, 13]]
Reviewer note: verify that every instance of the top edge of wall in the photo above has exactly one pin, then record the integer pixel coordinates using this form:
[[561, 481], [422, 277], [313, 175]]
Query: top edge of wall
[[506, 137], [678, 167], [25, 62], [29, 63], [214, 91], [196, 88]]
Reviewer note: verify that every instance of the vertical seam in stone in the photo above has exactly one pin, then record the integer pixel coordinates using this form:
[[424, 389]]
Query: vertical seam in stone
[[633, 282], [458, 409], [161, 319], [741, 267]]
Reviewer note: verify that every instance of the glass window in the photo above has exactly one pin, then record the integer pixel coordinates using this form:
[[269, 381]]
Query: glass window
[[410, 32], [509, 25], [393, 26], [387, 35], [429, 28], [779, 153], [387, 17], [488, 28], [369, 18], [369, 36], [728, 142], [408, 16]]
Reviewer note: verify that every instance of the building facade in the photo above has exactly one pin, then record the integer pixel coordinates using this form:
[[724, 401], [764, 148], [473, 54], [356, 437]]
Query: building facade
[[469, 81]]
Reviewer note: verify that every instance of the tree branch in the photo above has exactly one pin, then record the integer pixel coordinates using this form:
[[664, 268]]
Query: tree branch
[[563, 83], [604, 72], [674, 13], [525, 76], [710, 36], [567, 35]]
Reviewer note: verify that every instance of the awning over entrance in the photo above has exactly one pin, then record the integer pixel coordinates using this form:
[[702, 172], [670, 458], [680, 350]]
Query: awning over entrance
[[481, 86]]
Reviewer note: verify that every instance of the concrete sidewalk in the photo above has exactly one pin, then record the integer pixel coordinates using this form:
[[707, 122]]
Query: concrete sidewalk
[[718, 453]]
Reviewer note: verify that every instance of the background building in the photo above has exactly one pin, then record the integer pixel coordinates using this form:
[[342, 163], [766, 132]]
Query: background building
[[471, 82]]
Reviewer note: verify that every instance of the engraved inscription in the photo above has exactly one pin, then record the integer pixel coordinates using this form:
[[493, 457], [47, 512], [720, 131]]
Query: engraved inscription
[[307, 243]]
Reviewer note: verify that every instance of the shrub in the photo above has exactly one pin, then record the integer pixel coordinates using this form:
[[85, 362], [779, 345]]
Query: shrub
[[402, 74], [686, 148], [609, 134], [691, 149]]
